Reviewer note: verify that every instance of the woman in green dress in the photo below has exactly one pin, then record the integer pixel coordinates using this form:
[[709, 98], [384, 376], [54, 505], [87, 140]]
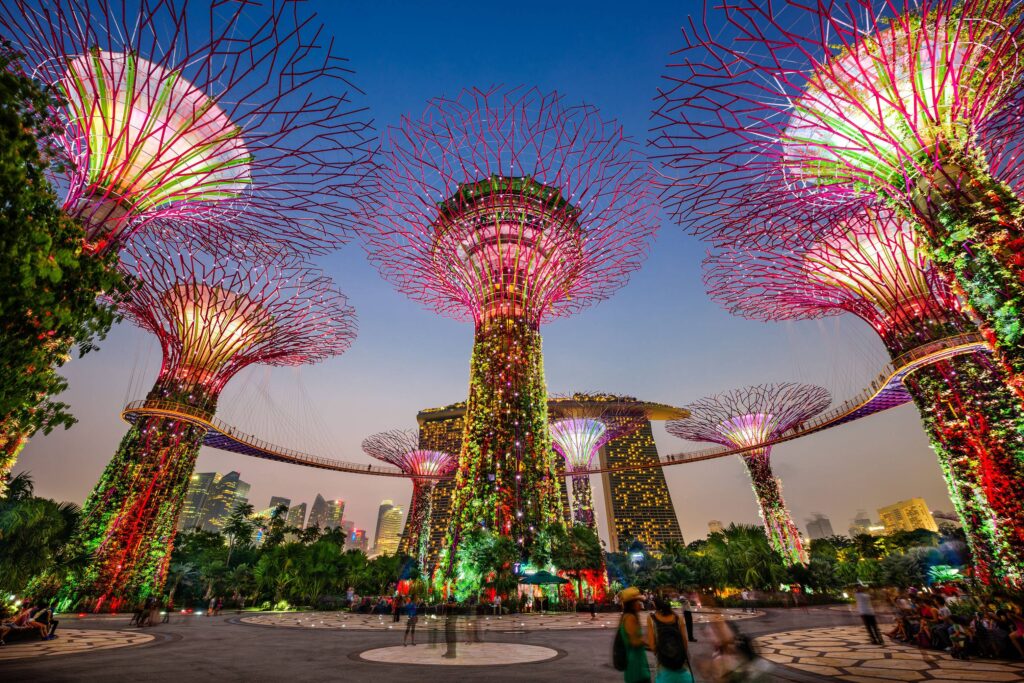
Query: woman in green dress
[[636, 670]]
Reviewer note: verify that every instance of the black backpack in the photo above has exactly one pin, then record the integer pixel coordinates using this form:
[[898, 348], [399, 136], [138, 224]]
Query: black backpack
[[670, 648], [619, 650]]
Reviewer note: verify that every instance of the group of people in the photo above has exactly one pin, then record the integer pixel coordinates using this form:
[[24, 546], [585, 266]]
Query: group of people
[[30, 618], [959, 624], [668, 636]]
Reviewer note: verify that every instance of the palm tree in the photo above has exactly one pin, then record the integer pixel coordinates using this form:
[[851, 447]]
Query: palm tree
[[577, 550], [239, 528]]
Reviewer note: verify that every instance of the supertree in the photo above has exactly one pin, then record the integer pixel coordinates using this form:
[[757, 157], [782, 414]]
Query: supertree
[[870, 265], [578, 434], [844, 101], [401, 448], [213, 317], [508, 208], [229, 121], [752, 416]]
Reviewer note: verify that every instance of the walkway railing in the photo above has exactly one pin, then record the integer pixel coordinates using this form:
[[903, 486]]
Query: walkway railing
[[885, 392]]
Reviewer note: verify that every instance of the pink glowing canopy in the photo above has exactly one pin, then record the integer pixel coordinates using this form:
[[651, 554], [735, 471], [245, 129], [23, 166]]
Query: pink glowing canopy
[[752, 415], [830, 104], [509, 202], [234, 119], [216, 315], [400, 447]]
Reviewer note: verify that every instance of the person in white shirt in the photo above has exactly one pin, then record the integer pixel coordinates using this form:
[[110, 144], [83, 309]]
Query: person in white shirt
[[867, 615]]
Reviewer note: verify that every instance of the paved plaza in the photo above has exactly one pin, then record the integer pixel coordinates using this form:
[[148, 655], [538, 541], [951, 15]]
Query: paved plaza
[[803, 647]]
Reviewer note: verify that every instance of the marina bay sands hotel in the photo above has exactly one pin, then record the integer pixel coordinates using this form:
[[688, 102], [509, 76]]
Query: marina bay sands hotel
[[638, 505]]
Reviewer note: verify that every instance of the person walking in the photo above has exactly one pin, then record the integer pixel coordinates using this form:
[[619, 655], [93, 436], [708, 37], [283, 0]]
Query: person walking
[[867, 615], [410, 625], [636, 669], [168, 608], [591, 604], [396, 609], [688, 619], [666, 636]]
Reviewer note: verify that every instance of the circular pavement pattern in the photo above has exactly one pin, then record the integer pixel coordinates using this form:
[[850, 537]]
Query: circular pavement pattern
[[516, 623], [475, 654], [72, 641], [845, 654]]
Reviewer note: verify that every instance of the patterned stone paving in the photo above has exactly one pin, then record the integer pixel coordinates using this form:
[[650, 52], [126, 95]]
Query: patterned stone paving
[[475, 654], [72, 641], [509, 623], [844, 653]]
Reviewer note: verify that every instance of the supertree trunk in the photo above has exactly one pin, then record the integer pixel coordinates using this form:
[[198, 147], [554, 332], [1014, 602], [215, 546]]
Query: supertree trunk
[[414, 542], [129, 521], [506, 478], [974, 230], [783, 535], [975, 425], [583, 501]]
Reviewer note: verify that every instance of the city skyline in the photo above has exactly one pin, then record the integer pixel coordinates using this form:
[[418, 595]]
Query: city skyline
[[660, 338]]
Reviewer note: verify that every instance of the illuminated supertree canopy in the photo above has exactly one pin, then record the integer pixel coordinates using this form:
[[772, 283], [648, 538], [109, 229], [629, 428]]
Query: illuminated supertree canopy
[[578, 435], [749, 417], [401, 448], [232, 118], [869, 265], [213, 317], [509, 208], [838, 103]]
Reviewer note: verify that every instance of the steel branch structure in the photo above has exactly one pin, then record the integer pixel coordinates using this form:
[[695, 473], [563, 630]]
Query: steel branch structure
[[401, 448], [751, 416], [869, 265], [213, 317], [234, 119], [509, 208], [842, 101], [578, 434]]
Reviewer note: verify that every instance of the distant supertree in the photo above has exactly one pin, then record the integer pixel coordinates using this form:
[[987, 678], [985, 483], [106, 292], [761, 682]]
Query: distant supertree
[[869, 265], [229, 122], [509, 208], [232, 118], [401, 448], [213, 317], [752, 416], [843, 101], [578, 434]]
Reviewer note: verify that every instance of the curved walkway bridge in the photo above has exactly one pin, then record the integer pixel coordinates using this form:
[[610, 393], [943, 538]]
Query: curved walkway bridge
[[885, 392]]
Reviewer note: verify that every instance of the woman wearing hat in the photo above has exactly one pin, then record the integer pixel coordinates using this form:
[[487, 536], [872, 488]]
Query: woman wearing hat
[[636, 670]]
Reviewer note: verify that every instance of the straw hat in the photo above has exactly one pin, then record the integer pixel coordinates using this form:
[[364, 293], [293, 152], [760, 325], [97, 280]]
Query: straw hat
[[629, 594]]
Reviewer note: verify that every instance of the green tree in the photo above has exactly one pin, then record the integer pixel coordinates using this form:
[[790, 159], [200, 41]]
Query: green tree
[[48, 281], [34, 535], [239, 528], [576, 550]]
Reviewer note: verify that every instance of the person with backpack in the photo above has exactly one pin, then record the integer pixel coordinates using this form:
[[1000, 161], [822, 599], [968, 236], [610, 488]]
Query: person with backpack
[[629, 652], [666, 636]]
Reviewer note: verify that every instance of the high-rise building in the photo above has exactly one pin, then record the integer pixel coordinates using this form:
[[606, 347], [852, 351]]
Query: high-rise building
[[211, 498], [907, 515], [326, 514], [389, 528], [198, 493], [296, 516], [347, 527], [715, 527], [860, 524], [279, 500], [638, 503], [358, 540], [819, 526]]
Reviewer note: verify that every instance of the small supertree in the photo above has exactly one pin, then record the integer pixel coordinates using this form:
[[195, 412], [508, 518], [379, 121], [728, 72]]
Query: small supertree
[[231, 122], [844, 101], [401, 448], [869, 265], [508, 208], [232, 118], [580, 431], [213, 317], [749, 417]]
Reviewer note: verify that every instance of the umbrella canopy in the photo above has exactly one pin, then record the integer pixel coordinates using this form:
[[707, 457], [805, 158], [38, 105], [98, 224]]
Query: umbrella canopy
[[542, 578]]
